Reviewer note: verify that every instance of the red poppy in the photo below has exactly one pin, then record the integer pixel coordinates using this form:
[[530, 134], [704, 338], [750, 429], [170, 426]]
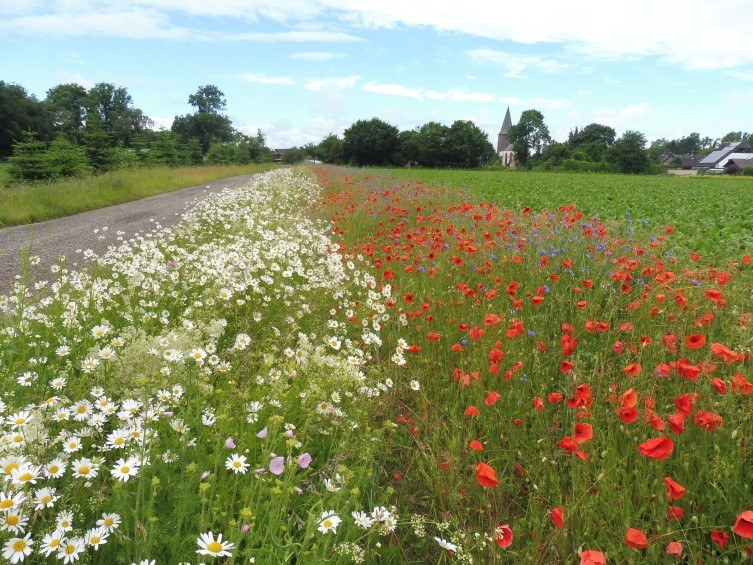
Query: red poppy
[[684, 403], [657, 448], [629, 398], [627, 414], [566, 367], [708, 421], [491, 320], [674, 548], [675, 513], [744, 525], [486, 475], [389, 275], [632, 370], [476, 445], [583, 432], [720, 538], [538, 404], [503, 535], [695, 341], [554, 397], [433, 336], [492, 397], [593, 557], [726, 354], [719, 385], [636, 539], [476, 333], [675, 490], [558, 517], [741, 385], [471, 411]]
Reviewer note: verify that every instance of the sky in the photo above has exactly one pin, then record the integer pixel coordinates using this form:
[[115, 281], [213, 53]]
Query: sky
[[300, 70]]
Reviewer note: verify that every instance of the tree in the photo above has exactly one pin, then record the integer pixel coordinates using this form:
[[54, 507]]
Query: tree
[[408, 148], [114, 107], [433, 144], [206, 124], [67, 105], [208, 100], [21, 112], [371, 142], [469, 146], [628, 153], [331, 149], [98, 144], [529, 136], [592, 133], [33, 160]]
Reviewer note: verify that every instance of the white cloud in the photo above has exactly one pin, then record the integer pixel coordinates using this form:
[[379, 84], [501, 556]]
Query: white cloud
[[418, 93], [283, 134], [693, 33], [317, 56], [742, 75], [340, 83], [302, 36], [261, 78], [394, 90], [628, 117], [74, 78], [515, 63]]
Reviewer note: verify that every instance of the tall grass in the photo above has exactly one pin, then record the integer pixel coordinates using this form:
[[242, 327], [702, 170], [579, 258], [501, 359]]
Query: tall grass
[[30, 203]]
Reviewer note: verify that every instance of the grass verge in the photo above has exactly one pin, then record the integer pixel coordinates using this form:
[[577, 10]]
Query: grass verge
[[30, 203]]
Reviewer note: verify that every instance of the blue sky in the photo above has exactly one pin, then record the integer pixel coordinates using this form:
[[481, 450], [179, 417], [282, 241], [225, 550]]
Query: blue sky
[[301, 69]]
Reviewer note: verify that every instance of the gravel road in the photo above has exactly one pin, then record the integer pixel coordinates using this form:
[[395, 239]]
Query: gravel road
[[95, 230]]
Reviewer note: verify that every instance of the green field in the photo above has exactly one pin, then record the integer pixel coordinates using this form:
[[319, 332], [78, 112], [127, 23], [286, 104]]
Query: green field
[[37, 202], [709, 214]]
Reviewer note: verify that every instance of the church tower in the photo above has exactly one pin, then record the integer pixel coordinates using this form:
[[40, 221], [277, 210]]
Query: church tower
[[504, 147]]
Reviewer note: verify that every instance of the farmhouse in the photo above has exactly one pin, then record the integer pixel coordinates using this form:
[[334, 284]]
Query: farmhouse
[[740, 152], [504, 147]]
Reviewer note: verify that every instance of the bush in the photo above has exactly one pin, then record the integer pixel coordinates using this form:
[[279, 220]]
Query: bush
[[32, 160], [747, 172]]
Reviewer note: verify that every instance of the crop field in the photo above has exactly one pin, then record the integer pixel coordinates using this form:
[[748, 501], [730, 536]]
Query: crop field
[[711, 213], [356, 366]]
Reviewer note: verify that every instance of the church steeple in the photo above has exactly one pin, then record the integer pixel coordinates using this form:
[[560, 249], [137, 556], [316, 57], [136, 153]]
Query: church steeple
[[507, 123], [505, 149], [503, 140]]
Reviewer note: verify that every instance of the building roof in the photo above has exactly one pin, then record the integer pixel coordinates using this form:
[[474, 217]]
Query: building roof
[[507, 123], [713, 158]]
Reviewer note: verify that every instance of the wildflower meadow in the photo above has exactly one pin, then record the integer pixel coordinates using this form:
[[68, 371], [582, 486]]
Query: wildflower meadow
[[330, 366]]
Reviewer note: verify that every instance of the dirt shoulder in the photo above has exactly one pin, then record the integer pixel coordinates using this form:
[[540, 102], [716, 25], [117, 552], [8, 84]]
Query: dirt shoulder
[[95, 230]]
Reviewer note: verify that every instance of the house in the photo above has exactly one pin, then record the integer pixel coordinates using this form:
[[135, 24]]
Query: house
[[504, 147], [741, 152], [685, 161], [279, 153]]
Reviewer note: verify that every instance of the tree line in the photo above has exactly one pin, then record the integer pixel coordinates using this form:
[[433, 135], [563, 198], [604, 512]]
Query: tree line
[[77, 131], [592, 148]]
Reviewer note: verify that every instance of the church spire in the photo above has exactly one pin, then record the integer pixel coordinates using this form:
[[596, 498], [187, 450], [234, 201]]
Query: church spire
[[507, 123]]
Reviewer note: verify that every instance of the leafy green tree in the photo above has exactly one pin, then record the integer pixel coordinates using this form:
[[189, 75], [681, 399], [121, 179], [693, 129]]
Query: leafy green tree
[[371, 142], [736, 136], [529, 136], [21, 112], [206, 123], [555, 154], [208, 100], [67, 105], [164, 149], [294, 155], [331, 149], [408, 148], [628, 153], [469, 145], [592, 133], [433, 143], [114, 107]]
